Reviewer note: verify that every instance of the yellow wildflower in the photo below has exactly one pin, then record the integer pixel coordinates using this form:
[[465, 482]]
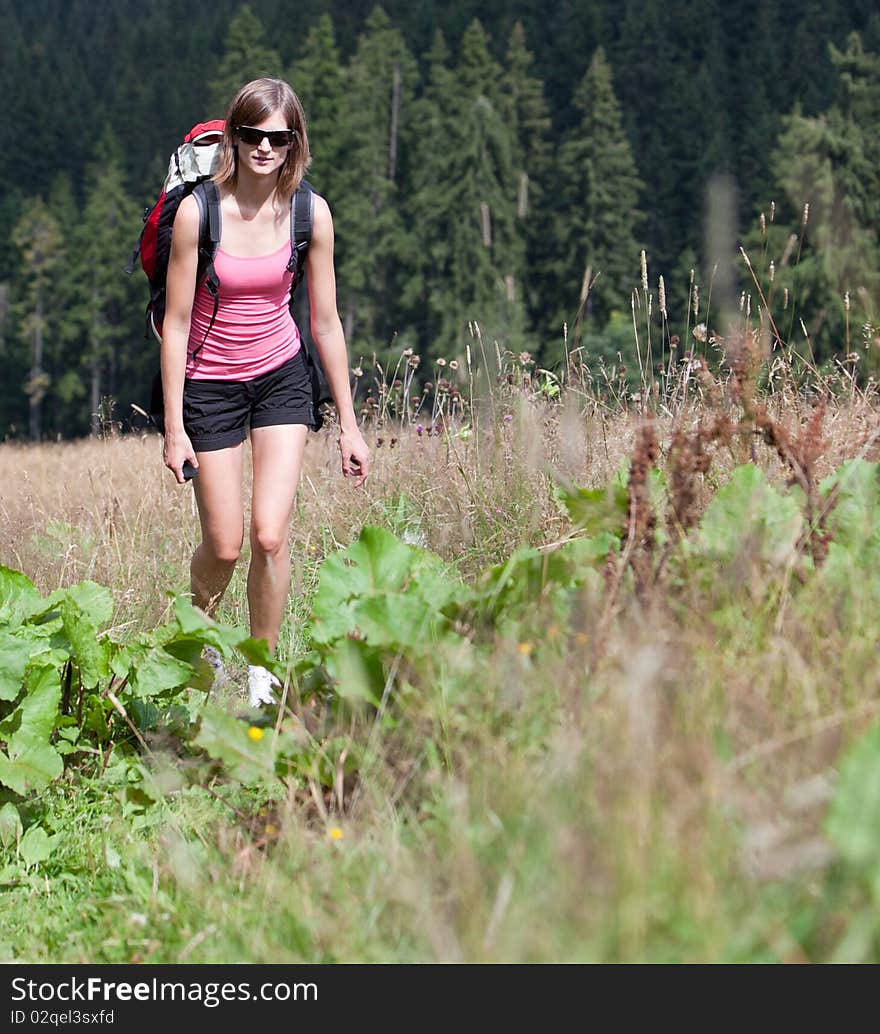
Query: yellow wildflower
[[255, 732]]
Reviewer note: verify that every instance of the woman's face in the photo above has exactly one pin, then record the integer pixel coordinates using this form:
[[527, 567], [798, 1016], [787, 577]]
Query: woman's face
[[262, 148]]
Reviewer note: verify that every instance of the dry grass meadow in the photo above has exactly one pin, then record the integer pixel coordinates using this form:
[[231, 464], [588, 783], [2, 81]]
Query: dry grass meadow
[[646, 777]]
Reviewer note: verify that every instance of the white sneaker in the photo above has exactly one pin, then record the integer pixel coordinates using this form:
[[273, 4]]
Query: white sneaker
[[261, 682], [213, 656]]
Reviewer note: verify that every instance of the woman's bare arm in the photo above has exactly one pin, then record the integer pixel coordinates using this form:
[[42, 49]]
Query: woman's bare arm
[[327, 332], [180, 290]]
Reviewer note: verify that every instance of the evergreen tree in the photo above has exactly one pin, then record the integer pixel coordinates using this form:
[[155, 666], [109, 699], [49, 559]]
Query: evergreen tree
[[432, 202], [595, 216], [469, 223], [245, 57], [830, 163], [38, 239], [109, 303], [318, 76], [375, 247], [530, 119]]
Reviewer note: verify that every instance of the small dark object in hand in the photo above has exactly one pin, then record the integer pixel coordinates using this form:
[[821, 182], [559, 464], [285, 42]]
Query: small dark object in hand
[[189, 471]]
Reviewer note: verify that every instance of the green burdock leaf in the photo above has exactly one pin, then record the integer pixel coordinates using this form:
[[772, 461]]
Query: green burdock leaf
[[749, 513], [384, 590], [94, 601], [357, 669], [19, 598], [248, 757], [595, 510], [36, 845], [529, 573], [196, 625], [90, 653], [256, 651], [854, 522], [30, 762], [10, 825], [15, 653], [158, 671]]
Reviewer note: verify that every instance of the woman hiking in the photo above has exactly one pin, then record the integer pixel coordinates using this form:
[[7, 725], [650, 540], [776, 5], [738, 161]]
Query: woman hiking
[[239, 369]]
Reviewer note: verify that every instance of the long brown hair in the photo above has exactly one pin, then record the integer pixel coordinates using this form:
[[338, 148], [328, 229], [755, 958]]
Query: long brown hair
[[253, 103]]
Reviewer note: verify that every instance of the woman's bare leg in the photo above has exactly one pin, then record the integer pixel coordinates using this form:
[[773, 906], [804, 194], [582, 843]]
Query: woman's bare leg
[[277, 461], [221, 514]]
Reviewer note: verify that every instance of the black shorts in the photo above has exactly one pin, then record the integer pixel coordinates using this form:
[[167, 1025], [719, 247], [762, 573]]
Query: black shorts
[[217, 414]]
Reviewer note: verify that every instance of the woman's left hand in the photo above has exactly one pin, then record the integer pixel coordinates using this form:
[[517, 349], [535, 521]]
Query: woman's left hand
[[355, 456]]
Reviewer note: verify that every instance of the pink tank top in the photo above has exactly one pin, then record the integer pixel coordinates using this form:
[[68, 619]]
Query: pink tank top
[[253, 330]]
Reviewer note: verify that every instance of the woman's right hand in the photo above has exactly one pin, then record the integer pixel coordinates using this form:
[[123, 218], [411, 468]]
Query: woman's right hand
[[177, 450]]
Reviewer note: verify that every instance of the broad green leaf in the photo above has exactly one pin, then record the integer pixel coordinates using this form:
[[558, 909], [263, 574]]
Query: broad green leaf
[[36, 845], [367, 587], [357, 669], [10, 825], [397, 621], [596, 510], [15, 653], [195, 625], [95, 601], [157, 672], [529, 573], [90, 653], [749, 513], [31, 770], [256, 651], [19, 598], [32, 722], [30, 763], [227, 739], [854, 522]]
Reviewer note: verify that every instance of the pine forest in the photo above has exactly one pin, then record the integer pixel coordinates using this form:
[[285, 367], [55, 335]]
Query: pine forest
[[501, 175]]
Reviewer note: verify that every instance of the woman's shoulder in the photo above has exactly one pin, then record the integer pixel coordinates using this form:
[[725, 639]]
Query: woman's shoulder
[[186, 218], [321, 215]]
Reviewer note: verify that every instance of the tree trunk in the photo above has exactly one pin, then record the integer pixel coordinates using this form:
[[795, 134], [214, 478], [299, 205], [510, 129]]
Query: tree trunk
[[95, 395], [36, 387], [395, 117]]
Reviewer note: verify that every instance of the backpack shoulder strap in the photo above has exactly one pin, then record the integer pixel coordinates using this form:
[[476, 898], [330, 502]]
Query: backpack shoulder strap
[[208, 199], [302, 209]]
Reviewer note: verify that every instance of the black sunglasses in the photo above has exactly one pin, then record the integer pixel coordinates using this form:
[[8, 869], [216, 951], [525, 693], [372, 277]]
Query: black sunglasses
[[276, 137]]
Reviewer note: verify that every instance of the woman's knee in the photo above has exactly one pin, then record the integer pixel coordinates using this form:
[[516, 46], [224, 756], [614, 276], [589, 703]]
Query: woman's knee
[[223, 551], [268, 540]]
